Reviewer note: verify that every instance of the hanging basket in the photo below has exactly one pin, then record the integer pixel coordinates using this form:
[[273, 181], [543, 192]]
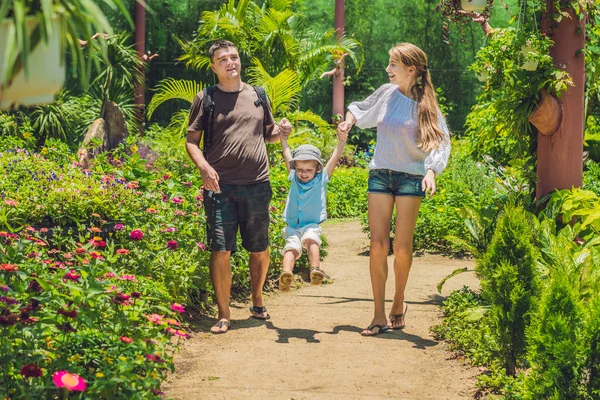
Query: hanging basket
[[473, 5], [47, 69], [547, 117]]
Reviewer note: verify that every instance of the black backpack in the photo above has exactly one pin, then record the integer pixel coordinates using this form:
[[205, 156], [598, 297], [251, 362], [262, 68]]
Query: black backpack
[[208, 113]]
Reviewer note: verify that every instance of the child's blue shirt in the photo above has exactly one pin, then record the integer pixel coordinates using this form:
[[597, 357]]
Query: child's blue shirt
[[306, 202]]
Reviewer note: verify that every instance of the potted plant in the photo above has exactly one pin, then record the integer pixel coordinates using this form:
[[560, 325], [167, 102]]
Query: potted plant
[[34, 36]]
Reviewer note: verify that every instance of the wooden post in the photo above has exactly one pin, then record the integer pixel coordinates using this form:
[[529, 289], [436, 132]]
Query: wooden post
[[140, 46], [338, 77], [560, 156]]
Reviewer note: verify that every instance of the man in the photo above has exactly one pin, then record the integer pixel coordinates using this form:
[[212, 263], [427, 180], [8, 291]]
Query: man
[[235, 175]]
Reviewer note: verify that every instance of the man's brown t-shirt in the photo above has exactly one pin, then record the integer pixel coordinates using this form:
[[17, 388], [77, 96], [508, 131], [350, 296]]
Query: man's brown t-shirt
[[237, 146]]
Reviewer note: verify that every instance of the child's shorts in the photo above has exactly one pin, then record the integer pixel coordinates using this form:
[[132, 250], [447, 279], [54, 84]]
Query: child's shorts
[[295, 238]]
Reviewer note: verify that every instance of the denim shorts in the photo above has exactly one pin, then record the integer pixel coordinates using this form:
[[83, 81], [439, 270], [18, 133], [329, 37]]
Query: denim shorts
[[243, 207], [395, 183]]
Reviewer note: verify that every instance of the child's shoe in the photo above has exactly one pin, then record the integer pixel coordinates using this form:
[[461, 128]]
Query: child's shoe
[[317, 276], [285, 281]]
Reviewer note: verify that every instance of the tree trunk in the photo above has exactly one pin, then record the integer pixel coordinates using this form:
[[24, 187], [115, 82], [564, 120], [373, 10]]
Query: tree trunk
[[139, 98], [560, 156], [338, 77]]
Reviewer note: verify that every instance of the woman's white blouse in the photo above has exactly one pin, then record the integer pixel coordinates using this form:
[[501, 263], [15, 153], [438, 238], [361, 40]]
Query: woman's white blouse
[[394, 116]]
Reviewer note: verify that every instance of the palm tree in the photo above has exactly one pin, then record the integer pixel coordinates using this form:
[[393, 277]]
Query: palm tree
[[283, 55]]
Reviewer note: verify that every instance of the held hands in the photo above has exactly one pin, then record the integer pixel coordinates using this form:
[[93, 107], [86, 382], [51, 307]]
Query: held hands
[[342, 135], [285, 128], [210, 178], [428, 183], [343, 129]]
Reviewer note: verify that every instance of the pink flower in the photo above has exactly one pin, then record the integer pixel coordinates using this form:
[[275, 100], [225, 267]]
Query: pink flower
[[96, 255], [136, 295], [122, 251], [188, 184], [172, 245], [179, 212], [155, 318], [172, 321], [176, 200], [136, 235], [72, 275], [11, 203], [201, 246], [119, 227], [151, 210], [177, 307], [64, 379], [31, 371], [155, 357], [126, 277], [133, 185], [126, 339], [4, 288]]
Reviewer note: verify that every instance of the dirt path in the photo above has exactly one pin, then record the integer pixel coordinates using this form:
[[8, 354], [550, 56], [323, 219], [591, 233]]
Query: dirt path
[[311, 348]]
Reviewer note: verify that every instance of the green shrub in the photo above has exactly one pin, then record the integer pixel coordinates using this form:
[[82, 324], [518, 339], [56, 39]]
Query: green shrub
[[556, 344], [510, 281], [591, 177]]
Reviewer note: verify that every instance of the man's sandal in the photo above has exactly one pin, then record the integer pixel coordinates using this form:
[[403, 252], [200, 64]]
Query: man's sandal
[[219, 325], [259, 312], [285, 281], [317, 276], [398, 317], [380, 329]]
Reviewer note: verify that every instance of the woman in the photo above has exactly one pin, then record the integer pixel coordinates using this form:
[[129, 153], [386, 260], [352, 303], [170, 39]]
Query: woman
[[413, 146]]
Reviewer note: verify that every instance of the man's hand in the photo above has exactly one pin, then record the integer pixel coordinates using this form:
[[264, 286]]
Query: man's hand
[[210, 179], [285, 128], [428, 183]]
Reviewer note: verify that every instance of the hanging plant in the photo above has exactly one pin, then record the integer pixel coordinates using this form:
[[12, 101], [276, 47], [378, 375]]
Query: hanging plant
[[463, 11]]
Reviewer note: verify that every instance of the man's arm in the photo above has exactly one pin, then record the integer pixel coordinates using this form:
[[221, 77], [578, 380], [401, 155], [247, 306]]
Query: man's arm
[[287, 153], [337, 153], [210, 177], [282, 129]]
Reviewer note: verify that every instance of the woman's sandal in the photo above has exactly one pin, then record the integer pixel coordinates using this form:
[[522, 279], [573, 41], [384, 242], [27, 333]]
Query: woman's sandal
[[380, 329], [219, 325], [258, 311], [399, 316]]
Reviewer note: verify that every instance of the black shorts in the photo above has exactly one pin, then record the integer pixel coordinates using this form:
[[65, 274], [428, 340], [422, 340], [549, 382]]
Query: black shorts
[[238, 206]]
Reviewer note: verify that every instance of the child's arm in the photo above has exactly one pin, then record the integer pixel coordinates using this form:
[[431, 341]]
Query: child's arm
[[287, 153], [337, 153]]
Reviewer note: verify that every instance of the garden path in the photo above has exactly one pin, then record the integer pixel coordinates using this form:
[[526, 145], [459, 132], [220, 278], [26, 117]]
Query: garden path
[[311, 347]]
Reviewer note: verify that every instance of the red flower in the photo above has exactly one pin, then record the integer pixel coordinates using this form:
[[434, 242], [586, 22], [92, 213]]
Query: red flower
[[155, 357], [136, 235], [8, 320], [31, 371], [136, 295], [151, 210], [121, 298], [9, 268], [69, 381], [126, 339], [172, 245], [177, 307], [96, 255], [67, 313], [80, 250]]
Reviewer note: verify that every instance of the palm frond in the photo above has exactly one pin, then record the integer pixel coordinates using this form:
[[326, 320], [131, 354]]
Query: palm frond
[[170, 88], [283, 89]]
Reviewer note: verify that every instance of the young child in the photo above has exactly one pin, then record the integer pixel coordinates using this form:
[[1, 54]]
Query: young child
[[305, 207]]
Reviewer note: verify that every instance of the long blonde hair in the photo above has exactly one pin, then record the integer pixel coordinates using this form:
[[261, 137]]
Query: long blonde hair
[[431, 135]]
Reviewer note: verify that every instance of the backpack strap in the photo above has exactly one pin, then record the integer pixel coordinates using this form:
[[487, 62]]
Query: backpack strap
[[208, 117], [262, 101]]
